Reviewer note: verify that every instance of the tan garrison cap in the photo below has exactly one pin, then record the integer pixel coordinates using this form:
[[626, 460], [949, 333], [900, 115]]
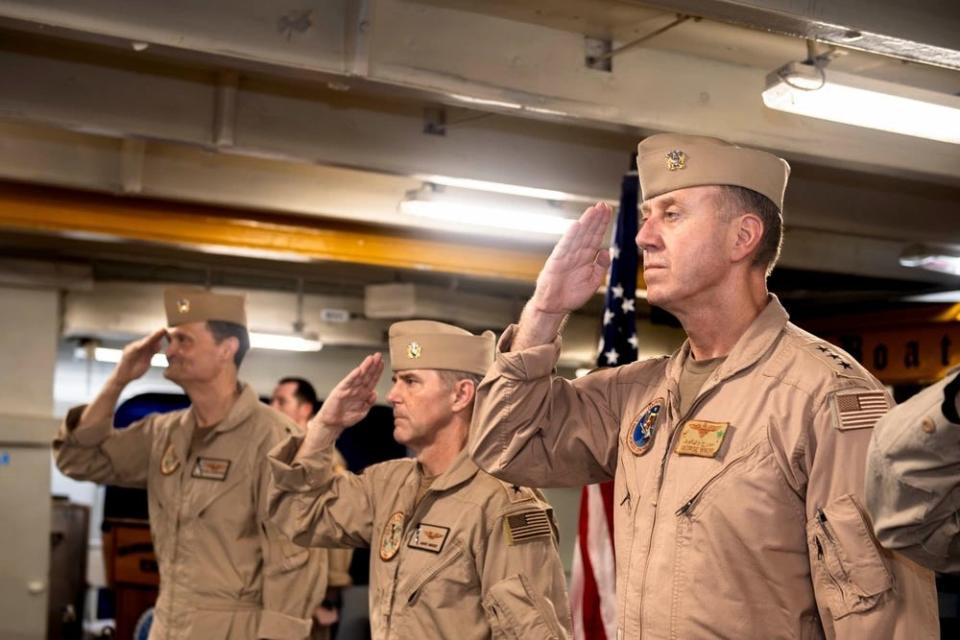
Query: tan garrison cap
[[667, 162], [424, 344], [188, 304]]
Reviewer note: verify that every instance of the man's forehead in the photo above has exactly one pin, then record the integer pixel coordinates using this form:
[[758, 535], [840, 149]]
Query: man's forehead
[[189, 328], [676, 196], [284, 388], [422, 373]]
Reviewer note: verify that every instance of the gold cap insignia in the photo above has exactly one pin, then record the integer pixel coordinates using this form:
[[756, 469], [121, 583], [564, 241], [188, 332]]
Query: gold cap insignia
[[676, 159], [414, 350], [183, 305]]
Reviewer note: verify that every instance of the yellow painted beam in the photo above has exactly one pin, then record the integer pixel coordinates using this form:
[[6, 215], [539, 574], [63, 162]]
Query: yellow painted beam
[[209, 228]]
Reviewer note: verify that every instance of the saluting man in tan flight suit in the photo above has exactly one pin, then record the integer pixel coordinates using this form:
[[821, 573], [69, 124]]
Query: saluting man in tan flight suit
[[456, 553], [297, 399], [913, 477], [738, 461], [225, 571]]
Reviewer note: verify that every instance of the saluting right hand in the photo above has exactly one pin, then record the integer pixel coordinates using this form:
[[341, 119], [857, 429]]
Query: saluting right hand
[[135, 360], [577, 265], [352, 398]]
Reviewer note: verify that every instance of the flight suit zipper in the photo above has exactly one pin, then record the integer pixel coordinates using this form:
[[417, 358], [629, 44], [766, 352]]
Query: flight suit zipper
[[422, 580], [692, 502], [412, 510], [821, 554], [671, 443]]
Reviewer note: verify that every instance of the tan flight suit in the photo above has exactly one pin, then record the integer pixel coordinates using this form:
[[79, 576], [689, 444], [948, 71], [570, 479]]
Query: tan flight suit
[[475, 559], [765, 538], [225, 572], [913, 482], [338, 575]]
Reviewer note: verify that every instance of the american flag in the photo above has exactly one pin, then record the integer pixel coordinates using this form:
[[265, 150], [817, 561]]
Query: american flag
[[861, 409], [593, 600], [529, 525]]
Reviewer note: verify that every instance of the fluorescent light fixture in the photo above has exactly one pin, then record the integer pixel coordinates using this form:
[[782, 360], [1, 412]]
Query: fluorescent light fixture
[[938, 297], [106, 354], [486, 216], [275, 341], [939, 259], [812, 91], [504, 188], [285, 342]]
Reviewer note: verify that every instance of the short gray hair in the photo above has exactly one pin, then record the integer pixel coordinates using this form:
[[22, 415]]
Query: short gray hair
[[450, 378], [735, 200]]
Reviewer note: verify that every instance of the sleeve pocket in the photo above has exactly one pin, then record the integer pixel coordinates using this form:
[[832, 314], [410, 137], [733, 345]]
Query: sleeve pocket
[[850, 573], [516, 612]]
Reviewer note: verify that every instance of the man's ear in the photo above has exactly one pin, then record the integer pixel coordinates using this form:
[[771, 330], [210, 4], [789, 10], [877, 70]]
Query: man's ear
[[229, 348], [749, 232], [464, 392]]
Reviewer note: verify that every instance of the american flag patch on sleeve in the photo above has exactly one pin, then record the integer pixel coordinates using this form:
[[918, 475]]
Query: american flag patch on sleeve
[[860, 409], [529, 525]]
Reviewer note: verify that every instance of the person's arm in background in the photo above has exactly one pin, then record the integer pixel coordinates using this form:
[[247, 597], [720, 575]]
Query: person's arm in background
[[309, 500], [913, 477], [294, 577], [529, 426], [87, 447], [522, 584]]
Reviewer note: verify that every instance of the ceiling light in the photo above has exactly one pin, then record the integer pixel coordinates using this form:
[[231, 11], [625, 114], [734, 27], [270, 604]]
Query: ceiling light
[[939, 259], [504, 188], [106, 354], [937, 297], [285, 342], [811, 90], [474, 215]]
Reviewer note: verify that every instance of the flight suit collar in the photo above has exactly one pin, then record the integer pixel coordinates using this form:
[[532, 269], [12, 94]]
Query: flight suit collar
[[757, 340], [461, 471], [241, 410]]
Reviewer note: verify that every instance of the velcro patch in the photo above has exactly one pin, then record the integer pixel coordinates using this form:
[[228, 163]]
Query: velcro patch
[[702, 438], [860, 409], [429, 537], [211, 469], [526, 526]]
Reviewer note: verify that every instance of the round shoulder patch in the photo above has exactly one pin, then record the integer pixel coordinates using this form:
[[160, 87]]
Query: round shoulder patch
[[391, 536], [169, 462], [641, 434]]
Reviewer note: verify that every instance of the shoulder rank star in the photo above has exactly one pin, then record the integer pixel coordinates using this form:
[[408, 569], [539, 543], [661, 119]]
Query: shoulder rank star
[[676, 160]]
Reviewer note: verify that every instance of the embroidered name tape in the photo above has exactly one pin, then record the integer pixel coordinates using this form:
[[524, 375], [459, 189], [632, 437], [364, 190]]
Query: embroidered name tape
[[429, 537], [701, 438], [211, 469]]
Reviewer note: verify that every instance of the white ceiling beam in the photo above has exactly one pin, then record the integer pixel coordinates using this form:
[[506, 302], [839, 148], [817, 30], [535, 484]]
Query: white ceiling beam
[[456, 56]]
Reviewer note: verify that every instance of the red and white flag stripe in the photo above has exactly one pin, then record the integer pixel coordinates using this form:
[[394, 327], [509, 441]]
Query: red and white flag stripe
[[593, 599]]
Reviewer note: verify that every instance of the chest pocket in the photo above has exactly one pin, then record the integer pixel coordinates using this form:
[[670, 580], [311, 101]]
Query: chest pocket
[[227, 502], [442, 583]]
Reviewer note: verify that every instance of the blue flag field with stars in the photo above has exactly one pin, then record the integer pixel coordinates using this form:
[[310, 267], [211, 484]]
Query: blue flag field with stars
[[618, 344]]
